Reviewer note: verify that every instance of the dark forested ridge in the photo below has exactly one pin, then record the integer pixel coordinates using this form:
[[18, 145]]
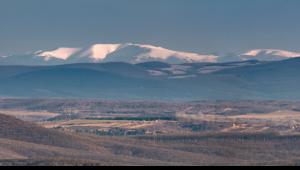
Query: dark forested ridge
[[156, 81]]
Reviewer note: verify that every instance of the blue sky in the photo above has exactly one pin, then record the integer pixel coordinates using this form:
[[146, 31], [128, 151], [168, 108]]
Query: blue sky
[[209, 26]]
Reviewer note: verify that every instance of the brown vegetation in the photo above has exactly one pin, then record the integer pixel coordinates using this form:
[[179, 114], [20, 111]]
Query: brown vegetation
[[197, 133]]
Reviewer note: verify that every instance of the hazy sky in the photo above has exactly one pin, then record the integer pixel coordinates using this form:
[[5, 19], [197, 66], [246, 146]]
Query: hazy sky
[[208, 26]]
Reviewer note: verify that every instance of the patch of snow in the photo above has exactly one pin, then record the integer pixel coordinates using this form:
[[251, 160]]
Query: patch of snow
[[183, 77], [156, 73], [60, 53], [164, 54], [274, 52], [177, 69], [99, 52]]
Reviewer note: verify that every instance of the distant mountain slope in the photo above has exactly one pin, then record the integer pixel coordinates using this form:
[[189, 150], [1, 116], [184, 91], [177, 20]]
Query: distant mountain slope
[[156, 81], [274, 80]]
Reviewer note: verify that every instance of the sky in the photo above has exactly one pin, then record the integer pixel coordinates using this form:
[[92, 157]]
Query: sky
[[201, 26]]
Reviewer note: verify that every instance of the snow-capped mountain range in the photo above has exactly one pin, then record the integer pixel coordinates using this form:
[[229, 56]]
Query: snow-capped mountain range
[[99, 53], [269, 54], [134, 53]]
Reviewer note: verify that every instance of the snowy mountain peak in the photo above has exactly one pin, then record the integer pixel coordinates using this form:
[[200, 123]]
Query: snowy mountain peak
[[99, 52], [129, 52], [269, 54], [135, 53], [59, 53], [164, 54]]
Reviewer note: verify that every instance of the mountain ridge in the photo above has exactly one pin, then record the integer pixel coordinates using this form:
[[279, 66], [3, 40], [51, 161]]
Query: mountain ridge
[[269, 54], [156, 81], [135, 54], [100, 53]]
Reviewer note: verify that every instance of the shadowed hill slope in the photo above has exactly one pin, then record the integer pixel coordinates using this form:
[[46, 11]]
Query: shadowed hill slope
[[14, 129], [249, 80]]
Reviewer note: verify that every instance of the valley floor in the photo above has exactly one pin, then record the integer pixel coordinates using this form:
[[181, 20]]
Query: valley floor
[[74, 132]]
